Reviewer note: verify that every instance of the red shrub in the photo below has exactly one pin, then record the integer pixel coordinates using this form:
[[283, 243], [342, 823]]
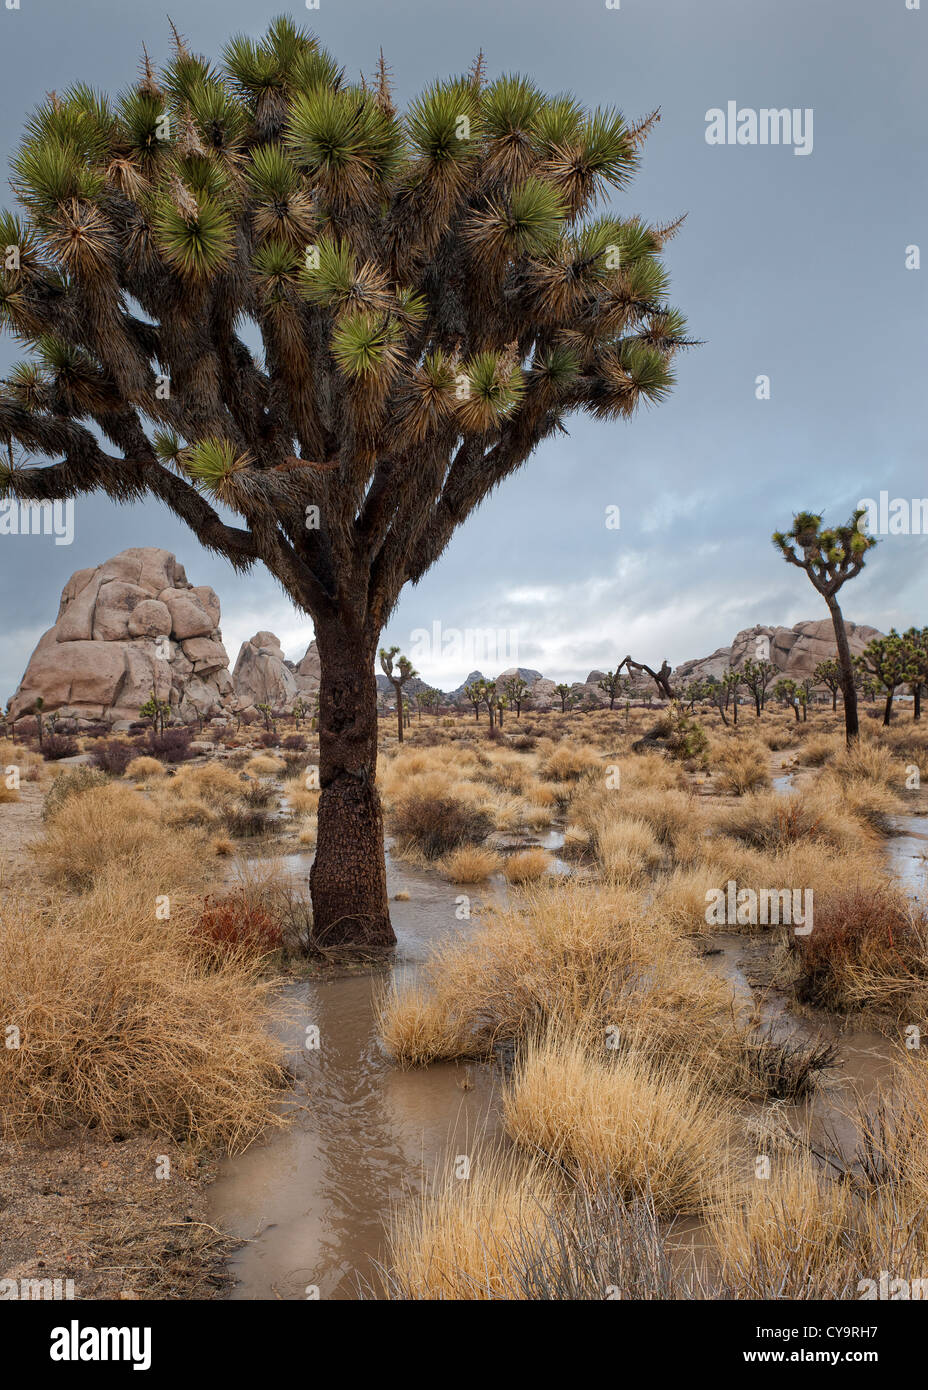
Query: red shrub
[[237, 923]]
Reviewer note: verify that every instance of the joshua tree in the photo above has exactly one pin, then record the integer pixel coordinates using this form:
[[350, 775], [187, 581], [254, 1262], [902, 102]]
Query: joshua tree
[[488, 695], [889, 661], [156, 710], [404, 672], [501, 704], [830, 558], [828, 673], [916, 640], [433, 298], [660, 678], [757, 676], [788, 691], [731, 680], [515, 688], [37, 709], [474, 694], [566, 695], [429, 698], [612, 683]]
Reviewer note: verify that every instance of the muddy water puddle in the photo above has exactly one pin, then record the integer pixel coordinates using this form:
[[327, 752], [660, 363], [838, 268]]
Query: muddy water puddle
[[311, 1202]]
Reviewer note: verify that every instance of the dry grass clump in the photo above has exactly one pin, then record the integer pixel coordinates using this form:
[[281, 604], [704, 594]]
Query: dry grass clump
[[31, 766], [868, 949], [113, 824], [648, 1129], [742, 768], [819, 749], [120, 1028], [868, 761], [587, 956], [527, 865], [140, 769], [263, 765], [569, 762], [7, 794], [467, 1240], [471, 864], [417, 1024], [786, 1236], [213, 781], [769, 821], [309, 831], [302, 799]]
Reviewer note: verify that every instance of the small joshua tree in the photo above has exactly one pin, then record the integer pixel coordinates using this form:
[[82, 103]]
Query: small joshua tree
[[757, 676], [397, 677], [611, 683], [515, 689], [473, 693], [889, 661], [157, 711], [732, 680], [916, 639], [566, 695], [828, 673], [830, 557], [788, 691]]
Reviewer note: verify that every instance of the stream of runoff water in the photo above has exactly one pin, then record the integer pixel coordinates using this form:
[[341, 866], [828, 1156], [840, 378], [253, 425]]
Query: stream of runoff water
[[310, 1202]]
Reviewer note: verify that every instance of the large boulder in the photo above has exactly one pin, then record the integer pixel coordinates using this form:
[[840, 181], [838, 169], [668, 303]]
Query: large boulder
[[125, 628], [262, 676]]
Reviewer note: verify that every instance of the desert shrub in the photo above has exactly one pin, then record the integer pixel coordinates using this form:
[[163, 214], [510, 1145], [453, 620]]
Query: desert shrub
[[113, 755], [869, 948], [258, 795], [435, 824], [173, 746], [55, 746], [243, 821], [772, 822], [68, 784], [294, 743], [685, 738], [235, 924], [524, 743]]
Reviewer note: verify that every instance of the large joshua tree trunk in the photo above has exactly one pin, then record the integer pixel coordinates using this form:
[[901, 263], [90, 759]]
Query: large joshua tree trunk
[[348, 881], [848, 690]]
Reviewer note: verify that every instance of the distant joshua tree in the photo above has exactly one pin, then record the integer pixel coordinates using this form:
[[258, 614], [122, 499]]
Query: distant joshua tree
[[473, 693], [757, 676], [612, 683], [732, 681], [434, 298], [888, 660], [515, 689], [830, 557], [566, 695], [397, 677], [828, 673]]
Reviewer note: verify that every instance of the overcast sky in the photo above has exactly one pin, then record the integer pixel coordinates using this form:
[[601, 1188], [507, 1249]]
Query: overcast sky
[[791, 266]]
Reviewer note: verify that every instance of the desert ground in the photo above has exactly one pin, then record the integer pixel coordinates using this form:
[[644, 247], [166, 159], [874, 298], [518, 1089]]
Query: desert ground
[[580, 1075]]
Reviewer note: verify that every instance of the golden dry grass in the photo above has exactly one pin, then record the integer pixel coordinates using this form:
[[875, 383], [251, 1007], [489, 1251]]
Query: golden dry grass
[[471, 864], [527, 865], [645, 1128], [120, 1027]]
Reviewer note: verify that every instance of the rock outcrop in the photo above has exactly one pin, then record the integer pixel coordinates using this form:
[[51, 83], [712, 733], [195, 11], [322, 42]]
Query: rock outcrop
[[125, 628], [795, 651]]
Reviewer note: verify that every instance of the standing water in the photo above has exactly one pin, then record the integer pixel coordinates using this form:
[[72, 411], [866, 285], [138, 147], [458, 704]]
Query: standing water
[[310, 1203]]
